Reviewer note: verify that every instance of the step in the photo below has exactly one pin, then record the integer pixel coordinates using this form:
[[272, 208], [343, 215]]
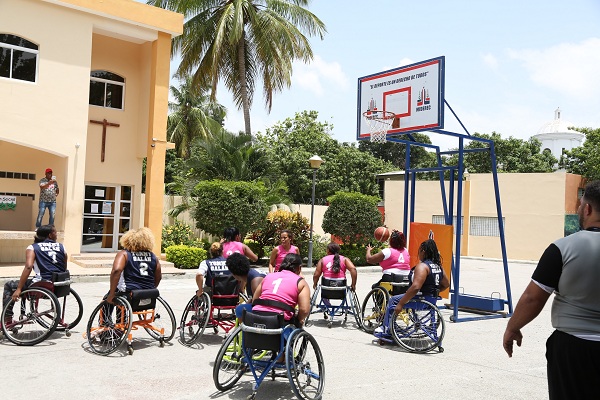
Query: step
[[103, 260]]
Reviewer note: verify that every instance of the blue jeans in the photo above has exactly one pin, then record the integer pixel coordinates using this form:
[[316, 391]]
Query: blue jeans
[[51, 209]]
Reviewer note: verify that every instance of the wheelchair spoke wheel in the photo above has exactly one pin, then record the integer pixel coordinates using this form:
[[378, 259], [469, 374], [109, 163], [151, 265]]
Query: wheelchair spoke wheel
[[305, 366], [34, 317], [109, 326], [71, 311], [419, 328], [373, 309], [194, 319], [230, 364], [163, 318], [356, 311]]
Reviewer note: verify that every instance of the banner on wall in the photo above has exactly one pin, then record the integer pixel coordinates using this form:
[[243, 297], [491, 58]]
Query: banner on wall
[[443, 237], [8, 202]]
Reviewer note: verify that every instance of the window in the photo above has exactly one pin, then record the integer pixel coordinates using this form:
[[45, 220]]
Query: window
[[441, 220], [106, 89], [485, 226], [18, 58]]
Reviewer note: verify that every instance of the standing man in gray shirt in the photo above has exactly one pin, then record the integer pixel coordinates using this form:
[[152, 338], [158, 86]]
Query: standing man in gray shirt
[[48, 192], [569, 268]]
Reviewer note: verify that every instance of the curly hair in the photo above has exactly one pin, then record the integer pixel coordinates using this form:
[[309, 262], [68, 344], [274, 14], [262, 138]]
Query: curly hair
[[141, 239], [216, 249], [291, 262], [591, 195], [397, 240]]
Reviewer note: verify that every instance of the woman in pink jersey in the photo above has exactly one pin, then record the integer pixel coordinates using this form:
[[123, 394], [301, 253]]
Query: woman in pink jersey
[[393, 260], [282, 291], [232, 244], [286, 247], [334, 266]]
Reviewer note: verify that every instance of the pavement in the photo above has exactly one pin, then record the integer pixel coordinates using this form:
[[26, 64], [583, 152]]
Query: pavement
[[472, 366]]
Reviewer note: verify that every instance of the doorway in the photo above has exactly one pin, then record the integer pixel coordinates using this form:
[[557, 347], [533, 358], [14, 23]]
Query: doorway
[[106, 217]]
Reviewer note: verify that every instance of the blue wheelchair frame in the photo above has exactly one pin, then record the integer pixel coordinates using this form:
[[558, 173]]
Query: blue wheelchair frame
[[330, 290]]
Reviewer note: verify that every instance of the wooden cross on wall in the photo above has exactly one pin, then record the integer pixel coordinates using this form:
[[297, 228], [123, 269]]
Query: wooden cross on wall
[[104, 124]]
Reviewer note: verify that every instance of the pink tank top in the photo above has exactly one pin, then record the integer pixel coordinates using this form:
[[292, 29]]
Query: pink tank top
[[232, 247], [281, 253], [327, 265], [399, 259], [280, 286]]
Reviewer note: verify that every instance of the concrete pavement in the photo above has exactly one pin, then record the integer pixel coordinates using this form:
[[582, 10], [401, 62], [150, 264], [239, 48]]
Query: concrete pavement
[[473, 365]]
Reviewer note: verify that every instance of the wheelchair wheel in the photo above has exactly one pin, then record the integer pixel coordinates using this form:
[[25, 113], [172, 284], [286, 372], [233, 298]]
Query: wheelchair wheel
[[419, 328], [34, 318], [313, 303], [109, 326], [163, 319], [373, 309], [305, 366], [71, 311], [194, 319], [230, 364], [356, 311]]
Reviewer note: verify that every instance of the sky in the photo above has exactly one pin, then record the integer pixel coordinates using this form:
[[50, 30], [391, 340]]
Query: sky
[[508, 64]]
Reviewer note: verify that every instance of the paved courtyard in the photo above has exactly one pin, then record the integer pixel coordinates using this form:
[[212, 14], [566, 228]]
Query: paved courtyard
[[473, 365]]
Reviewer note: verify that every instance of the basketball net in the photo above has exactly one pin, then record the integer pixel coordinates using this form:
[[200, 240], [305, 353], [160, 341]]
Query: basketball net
[[379, 123]]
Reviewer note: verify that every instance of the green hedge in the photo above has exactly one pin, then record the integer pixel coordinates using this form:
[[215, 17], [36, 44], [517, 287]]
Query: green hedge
[[185, 257], [357, 254]]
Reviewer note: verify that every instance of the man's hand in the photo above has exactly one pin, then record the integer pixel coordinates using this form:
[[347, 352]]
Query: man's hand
[[199, 293], [509, 338], [353, 287], [16, 294], [110, 298], [398, 308]]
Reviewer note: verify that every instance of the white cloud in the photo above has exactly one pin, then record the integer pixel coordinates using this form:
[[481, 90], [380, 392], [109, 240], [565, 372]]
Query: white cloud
[[318, 74], [490, 60], [568, 68]]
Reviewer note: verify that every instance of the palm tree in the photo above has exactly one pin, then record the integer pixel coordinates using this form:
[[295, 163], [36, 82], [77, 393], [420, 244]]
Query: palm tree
[[193, 115], [240, 41]]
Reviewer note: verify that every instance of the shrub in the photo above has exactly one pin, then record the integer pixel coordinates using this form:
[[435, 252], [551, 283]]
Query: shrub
[[185, 257], [179, 233], [352, 217], [278, 220], [319, 248]]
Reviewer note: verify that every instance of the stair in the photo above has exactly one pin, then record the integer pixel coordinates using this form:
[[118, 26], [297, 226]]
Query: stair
[[103, 260]]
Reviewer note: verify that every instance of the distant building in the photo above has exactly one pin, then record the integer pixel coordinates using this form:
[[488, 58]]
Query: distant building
[[557, 137]]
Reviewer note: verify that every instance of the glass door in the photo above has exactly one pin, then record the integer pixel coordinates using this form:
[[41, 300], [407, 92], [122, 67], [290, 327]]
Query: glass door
[[106, 217]]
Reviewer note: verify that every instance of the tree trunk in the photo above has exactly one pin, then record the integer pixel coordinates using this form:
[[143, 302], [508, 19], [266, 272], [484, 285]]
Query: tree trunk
[[243, 84]]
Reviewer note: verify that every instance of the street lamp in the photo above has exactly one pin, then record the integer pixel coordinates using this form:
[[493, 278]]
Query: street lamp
[[315, 163]]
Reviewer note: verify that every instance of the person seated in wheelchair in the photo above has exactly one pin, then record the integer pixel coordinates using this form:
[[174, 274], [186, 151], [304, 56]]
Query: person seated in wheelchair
[[135, 267], [394, 260], [239, 266], [231, 244], [45, 257], [334, 266], [280, 292], [208, 269], [427, 278]]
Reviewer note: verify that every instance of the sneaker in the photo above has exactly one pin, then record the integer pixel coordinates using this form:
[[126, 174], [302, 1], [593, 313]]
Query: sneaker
[[380, 330]]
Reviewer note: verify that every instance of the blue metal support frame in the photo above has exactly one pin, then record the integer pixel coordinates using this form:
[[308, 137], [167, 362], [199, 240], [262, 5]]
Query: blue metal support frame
[[456, 174]]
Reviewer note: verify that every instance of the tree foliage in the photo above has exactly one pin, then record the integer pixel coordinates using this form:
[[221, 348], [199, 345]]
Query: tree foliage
[[512, 155], [289, 145], [395, 153], [278, 220], [243, 42], [585, 159], [221, 204], [352, 217]]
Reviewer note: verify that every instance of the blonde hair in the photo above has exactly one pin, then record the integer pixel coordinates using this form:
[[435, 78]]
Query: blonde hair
[[141, 239], [216, 249]]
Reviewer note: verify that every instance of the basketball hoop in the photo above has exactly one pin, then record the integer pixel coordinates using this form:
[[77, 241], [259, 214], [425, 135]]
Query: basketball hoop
[[379, 123]]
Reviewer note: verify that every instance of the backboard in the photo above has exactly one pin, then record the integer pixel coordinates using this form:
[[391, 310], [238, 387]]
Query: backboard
[[414, 93]]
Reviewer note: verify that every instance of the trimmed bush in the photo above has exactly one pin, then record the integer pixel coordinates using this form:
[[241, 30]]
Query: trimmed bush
[[185, 257], [267, 237], [179, 233], [352, 217]]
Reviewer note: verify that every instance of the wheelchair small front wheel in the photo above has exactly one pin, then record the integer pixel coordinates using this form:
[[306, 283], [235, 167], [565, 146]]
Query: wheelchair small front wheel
[[305, 365]]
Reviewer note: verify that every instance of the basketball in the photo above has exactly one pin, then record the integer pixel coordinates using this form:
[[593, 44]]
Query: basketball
[[382, 234]]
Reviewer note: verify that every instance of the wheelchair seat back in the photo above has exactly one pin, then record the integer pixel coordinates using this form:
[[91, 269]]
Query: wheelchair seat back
[[333, 288], [262, 330], [399, 284], [225, 291], [143, 299], [62, 283]]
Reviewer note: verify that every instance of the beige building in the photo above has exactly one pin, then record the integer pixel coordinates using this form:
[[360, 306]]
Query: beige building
[[83, 90], [534, 210]]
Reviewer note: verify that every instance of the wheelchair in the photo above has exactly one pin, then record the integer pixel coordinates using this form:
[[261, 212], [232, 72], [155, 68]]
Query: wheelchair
[[216, 311], [111, 324], [45, 307], [375, 303], [346, 301], [418, 328], [264, 346]]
